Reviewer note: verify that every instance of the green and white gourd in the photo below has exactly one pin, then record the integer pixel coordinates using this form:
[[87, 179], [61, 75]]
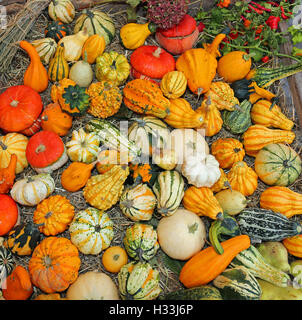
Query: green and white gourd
[[7, 263], [46, 48]]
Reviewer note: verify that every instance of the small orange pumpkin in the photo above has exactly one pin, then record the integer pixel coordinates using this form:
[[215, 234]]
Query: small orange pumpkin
[[114, 258]]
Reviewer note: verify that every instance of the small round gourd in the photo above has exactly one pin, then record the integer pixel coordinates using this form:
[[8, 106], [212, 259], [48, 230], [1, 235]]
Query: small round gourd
[[81, 73], [173, 84], [114, 258]]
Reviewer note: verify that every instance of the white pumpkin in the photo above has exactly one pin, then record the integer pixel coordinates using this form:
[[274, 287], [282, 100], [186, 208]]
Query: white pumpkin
[[201, 170], [83, 146], [32, 190], [62, 10], [181, 235], [186, 142], [81, 73], [93, 285], [46, 48]]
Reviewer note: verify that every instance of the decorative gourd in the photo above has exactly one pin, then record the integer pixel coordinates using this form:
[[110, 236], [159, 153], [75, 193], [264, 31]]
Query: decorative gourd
[[252, 259], [264, 114], [54, 119], [283, 200], [180, 37], [181, 235], [34, 128], [207, 264], [91, 231], [173, 84], [113, 138], [232, 202], [83, 146], [164, 158], [182, 115], [53, 215], [96, 22], [243, 178], [76, 175], [58, 89], [7, 263], [138, 281], [46, 48], [35, 75], [112, 66], [222, 95], [152, 62], [277, 225], [105, 99], [199, 66], [50, 296], [62, 10], [107, 159], [234, 66], [23, 239], [272, 292], [149, 132], [7, 175], [93, 285], [13, 143], [54, 264], [140, 242], [81, 73], [212, 118], [202, 202], [56, 30], [187, 142], [32, 190], [73, 99], [73, 45], [237, 284], [222, 183], [201, 170], [46, 152], [169, 191], [93, 47], [257, 136], [144, 97], [197, 293], [278, 164], [238, 121], [20, 106], [227, 151], [8, 214], [144, 173], [138, 202], [102, 191], [293, 245], [114, 258], [133, 35], [58, 68], [18, 285]]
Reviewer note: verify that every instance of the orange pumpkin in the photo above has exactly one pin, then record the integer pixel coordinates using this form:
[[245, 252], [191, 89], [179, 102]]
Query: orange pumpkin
[[7, 175], [294, 245], [114, 258]]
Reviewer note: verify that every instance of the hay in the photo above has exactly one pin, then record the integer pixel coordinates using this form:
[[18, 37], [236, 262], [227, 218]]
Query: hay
[[14, 76]]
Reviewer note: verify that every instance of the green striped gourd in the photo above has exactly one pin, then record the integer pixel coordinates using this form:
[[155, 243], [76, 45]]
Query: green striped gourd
[[138, 281], [46, 48], [205, 292], [7, 263], [91, 231], [252, 259], [266, 225], [169, 190], [140, 242], [113, 138], [238, 284], [96, 22]]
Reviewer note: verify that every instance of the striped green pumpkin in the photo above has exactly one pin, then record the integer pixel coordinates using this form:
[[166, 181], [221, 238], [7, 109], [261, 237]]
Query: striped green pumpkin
[[7, 263], [96, 22], [91, 231], [138, 281], [252, 259], [46, 48], [169, 190], [140, 242], [237, 284]]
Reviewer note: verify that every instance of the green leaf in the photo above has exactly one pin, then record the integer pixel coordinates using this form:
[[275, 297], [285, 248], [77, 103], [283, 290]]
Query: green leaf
[[172, 264]]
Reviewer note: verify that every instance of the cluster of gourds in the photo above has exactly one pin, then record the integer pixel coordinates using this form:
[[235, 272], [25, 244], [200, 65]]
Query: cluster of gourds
[[108, 166]]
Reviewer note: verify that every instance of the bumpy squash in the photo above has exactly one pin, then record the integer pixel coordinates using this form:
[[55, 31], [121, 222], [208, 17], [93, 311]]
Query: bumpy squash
[[278, 164], [202, 202], [257, 136], [58, 68], [173, 84], [102, 191], [144, 97]]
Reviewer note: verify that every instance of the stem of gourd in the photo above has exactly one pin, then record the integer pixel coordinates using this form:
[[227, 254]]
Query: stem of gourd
[[3, 146]]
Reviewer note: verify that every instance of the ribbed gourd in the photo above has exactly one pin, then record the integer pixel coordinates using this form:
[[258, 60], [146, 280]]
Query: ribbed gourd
[[173, 84], [58, 67], [258, 136], [46, 48], [102, 191], [169, 191]]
